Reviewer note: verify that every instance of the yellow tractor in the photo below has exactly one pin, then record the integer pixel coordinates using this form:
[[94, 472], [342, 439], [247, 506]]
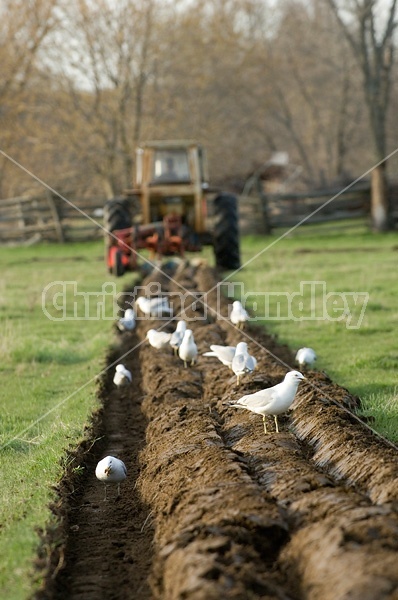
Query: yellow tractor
[[166, 212]]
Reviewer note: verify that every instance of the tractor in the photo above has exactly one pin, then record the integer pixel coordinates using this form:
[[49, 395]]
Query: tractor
[[166, 211]]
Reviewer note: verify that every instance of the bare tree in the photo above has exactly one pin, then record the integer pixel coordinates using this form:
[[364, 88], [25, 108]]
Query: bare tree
[[104, 75], [373, 47], [24, 29]]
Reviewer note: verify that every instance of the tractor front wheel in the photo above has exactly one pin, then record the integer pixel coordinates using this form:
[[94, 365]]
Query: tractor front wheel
[[226, 232]]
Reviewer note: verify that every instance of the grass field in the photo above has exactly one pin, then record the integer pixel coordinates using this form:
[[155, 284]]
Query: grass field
[[51, 357], [358, 351]]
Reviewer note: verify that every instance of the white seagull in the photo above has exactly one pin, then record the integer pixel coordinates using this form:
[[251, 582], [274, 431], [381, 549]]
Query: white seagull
[[111, 470], [305, 357], [224, 353], [243, 362], [158, 339], [272, 401], [238, 315], [122, 376], [177, 335], [127, 322], [188, 350], [154, 307]]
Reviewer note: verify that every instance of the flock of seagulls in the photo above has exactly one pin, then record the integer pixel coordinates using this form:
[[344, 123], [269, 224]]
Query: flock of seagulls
[[271, 401]]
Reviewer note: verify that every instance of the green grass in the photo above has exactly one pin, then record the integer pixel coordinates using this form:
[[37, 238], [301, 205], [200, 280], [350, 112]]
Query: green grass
[[48, 368], [361, 355]]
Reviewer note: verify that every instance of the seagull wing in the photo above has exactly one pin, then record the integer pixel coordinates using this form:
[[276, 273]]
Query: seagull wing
[[251, 363], [176, 338], [257, 400], [239, 363], [224, 352]]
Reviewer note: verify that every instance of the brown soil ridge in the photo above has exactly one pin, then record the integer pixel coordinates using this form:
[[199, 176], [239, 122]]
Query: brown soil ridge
[[219, 509]]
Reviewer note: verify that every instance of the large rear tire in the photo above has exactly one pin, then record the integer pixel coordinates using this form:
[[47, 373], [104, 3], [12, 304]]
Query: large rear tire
[[226, 232], [117, 215]]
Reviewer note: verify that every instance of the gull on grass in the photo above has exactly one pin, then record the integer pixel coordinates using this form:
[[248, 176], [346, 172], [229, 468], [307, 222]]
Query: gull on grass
[[305, 357], [188, 350], [238, 315], [274, 400], [242, 362], [111, 470], [122, 376], [127, 322], [225, 354], [177, 335]]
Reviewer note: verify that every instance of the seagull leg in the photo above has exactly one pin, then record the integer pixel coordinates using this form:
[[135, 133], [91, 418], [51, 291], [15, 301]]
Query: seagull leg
[[105, 498], [118, 489], [276, 424], [265, 426], [237, 380], [185, 363]]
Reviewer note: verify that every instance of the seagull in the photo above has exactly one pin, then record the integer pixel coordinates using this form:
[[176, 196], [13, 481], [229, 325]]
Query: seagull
[[243, 362], [127, 322], [122, 376], [238, 315], [158, 339], [177, 335], [188, 350], [305, 357], [274, 400], [224, 353], [111, 470], [154, 307]]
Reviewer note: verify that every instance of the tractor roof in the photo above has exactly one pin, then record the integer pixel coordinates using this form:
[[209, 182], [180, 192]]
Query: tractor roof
[[169, 144]]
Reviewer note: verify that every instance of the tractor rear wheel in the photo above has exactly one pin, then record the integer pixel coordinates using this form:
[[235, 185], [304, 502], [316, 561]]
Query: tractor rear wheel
[[226, 232], [117, 215]]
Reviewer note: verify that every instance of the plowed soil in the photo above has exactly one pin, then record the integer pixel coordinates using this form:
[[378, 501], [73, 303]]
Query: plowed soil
[[212, 507]]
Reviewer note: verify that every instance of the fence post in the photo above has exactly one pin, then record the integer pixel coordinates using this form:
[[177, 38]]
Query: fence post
[[264, 204], [55, 216]]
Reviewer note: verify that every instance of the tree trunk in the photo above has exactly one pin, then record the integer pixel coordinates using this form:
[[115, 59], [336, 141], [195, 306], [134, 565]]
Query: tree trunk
[[379, 199]]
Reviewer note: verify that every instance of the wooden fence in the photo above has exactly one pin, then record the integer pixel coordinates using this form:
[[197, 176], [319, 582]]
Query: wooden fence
[[31, 219], [260, 212]]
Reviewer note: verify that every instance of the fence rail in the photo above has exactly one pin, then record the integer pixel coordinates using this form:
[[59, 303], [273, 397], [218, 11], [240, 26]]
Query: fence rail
[[260, 212], [28, 219]]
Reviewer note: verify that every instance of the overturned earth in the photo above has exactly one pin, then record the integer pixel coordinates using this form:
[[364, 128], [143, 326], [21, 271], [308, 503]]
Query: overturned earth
[[213, 508]]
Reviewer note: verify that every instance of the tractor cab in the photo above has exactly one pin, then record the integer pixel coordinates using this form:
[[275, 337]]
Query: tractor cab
[[170, 178]]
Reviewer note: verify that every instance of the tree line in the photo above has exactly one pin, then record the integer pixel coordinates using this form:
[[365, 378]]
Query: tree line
[[82, 83]]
